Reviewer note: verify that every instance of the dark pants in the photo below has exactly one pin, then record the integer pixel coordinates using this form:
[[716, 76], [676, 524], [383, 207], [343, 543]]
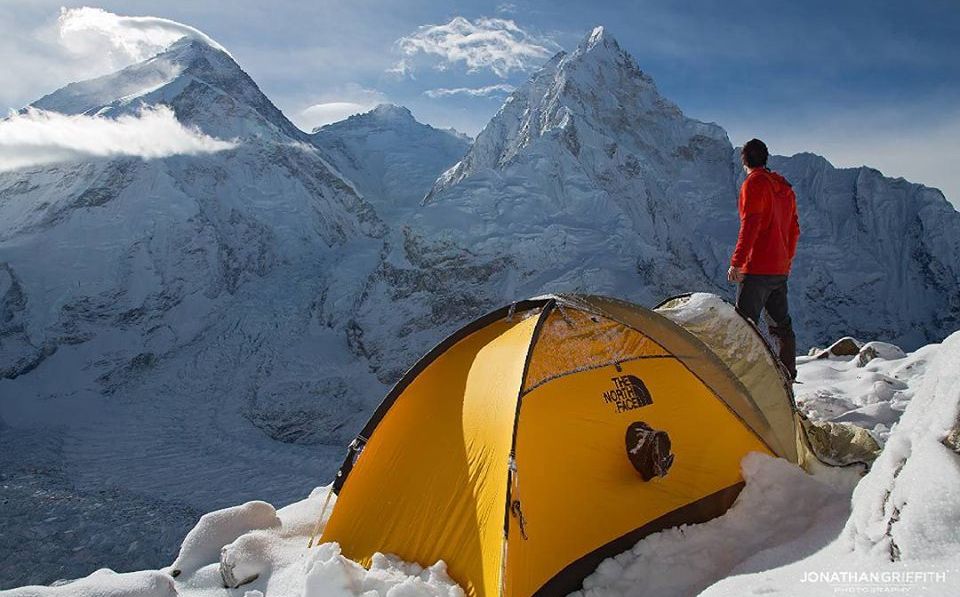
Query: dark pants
[[769, 293]]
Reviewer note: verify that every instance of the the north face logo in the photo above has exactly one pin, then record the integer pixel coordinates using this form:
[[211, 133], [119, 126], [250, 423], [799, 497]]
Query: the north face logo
[[628, 393]]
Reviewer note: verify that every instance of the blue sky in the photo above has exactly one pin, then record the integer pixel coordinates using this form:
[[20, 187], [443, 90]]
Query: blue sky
[[861, 82]]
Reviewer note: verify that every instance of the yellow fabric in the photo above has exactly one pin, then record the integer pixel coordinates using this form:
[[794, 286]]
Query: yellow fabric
[[572, 340], [737, 343], [577, 488], [431, 482], [698, 358]]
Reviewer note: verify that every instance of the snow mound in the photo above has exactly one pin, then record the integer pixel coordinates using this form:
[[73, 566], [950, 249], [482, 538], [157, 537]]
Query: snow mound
[[202, 545], [685, 560], [902, 532], [106, 583], [908, 507], [869, 385], [257, 550], [329, 574]]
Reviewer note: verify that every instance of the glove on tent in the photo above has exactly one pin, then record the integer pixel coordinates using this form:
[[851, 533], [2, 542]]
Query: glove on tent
[[556, 432]]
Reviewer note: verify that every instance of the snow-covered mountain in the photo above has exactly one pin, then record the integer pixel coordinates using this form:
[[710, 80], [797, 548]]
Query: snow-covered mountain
[[587, 179], [389, 156], [172, 329], [165, 322], [203, 85], [878, 257]]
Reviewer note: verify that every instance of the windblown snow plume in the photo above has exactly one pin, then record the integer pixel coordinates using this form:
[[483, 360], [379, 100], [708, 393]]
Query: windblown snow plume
[[36, 137], [486, 43], [130, 39]]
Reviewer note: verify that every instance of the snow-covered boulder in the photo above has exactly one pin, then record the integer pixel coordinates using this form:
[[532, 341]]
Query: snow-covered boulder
[[844, 347], [881, 350], [106, 583], [202, 545]]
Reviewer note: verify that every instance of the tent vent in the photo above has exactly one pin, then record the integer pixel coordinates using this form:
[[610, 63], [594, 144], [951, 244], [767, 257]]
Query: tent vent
[[648, 450]]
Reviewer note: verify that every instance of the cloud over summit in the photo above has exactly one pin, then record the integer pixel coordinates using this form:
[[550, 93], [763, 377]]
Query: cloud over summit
[[36, 137], [128, 39]]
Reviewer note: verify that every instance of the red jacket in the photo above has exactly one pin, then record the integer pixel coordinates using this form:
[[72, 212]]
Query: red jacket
[[769, 229]]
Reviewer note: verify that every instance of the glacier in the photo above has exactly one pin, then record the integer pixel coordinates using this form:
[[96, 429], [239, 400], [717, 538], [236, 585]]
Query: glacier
[[185, 333]]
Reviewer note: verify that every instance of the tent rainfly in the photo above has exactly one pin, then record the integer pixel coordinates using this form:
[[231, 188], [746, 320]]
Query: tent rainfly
[[558, 431]]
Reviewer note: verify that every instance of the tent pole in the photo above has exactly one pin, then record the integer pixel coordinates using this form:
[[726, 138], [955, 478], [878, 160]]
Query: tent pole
[[323, 511]]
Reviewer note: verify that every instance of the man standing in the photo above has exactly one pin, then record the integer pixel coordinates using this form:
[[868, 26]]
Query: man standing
[[767, 242]]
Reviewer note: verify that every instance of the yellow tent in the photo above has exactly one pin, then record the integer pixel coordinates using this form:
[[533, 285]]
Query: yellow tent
[[556, 432]]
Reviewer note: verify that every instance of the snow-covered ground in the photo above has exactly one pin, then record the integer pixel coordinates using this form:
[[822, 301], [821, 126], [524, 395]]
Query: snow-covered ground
[[172, 328], [895, 530]]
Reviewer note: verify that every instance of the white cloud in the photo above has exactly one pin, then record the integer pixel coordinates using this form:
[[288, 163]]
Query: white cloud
[[37, 137], [337, 104], [320, 114], [489, 90], [129, 39], [486, 43], [41, 52]]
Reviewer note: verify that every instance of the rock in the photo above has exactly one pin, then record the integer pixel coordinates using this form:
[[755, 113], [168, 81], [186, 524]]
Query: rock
[[203, 545], [873, 350], [843, 347], [840, 444], [244, 560], [952, 440]]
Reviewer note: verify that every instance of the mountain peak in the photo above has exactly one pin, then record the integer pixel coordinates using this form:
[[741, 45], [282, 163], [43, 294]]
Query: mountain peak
[[189, 50], [199, 80], [381, 116], [596, 37], [599, 40], [392, 112], [594, 102]]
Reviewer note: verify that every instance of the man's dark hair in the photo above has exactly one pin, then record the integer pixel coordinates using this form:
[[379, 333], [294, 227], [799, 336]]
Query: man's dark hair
[[754, 154]]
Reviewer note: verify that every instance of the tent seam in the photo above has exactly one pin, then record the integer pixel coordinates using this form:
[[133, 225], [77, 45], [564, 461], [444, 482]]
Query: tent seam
[[534, 338]]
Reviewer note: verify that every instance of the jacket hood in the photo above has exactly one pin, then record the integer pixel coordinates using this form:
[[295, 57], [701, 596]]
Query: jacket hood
[[779, 182]]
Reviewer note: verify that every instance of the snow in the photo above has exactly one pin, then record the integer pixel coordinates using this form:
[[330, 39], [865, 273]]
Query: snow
[[328, 574], [789, 532], [903, 516], [390, 157], [173, 328], [107, 583], [265, 553], [216, 529], [782, 513], [870, 393]]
